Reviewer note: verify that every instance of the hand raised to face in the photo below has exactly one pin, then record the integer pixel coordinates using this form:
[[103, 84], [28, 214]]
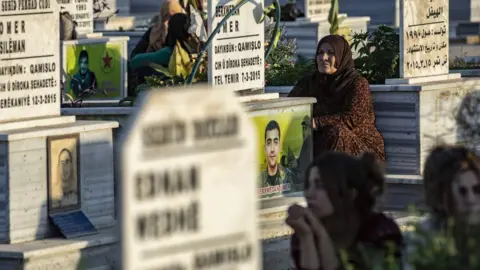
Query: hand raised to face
[[296, 220]]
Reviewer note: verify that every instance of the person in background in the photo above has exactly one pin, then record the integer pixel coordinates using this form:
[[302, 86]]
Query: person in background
[[341, 191], [451, 179], [152, 40], [343, 117], [159, 30], [178, 32], [452, 185]]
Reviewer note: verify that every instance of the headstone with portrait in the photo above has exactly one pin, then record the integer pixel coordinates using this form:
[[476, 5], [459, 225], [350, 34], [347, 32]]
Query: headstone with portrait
[[52, 168], [236, 55], [424, 42], [188, 190]]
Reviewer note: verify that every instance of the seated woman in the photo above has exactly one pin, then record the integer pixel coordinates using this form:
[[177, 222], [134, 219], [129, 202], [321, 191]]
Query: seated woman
[[343, 117], [341, 191], [151, 41], [177, 31]]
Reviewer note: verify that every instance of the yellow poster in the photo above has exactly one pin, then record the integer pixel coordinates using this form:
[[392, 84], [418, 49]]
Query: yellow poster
[[94, 71], [285, 151]]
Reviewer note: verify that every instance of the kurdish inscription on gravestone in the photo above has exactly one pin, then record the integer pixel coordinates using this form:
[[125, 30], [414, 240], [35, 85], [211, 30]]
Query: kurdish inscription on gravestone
[[236, 55], [82, 13], [424, 38], [188, 189], [29, 59]]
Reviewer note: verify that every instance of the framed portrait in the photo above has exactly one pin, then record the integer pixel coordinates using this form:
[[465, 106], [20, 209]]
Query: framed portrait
[[285, 150], [94, 70], [63, 174]]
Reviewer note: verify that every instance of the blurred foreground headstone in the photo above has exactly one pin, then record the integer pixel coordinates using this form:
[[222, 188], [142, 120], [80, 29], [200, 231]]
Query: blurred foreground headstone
[[188, 191]]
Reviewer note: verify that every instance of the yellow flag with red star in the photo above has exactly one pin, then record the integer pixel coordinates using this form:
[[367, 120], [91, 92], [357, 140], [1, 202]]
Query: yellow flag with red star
[[107, 61]]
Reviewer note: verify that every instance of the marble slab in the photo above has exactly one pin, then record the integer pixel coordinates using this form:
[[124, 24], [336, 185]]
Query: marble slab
[[29, 60], [188, 166], [236, 54], [424, 38], [82, 13]]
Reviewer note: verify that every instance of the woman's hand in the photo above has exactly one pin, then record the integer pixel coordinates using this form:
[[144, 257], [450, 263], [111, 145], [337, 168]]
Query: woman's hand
[[314, 125], [296, 220], [326, 249]]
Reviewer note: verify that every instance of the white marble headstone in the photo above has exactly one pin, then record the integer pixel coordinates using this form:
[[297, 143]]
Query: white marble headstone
[[188, 189], [29, 60], [82, 13], [317, 9], [424, 38], [475, 10], [236, 55]]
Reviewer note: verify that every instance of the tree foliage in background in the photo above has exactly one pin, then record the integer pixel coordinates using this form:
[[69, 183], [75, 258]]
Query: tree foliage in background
[[445, 249], [378, 54], [281, 67]]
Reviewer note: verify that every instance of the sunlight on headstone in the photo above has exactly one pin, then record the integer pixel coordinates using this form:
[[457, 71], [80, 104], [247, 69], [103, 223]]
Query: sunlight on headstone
[[188, 190]]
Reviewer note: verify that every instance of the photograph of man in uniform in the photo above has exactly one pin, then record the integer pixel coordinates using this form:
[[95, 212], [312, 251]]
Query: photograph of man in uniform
[[275, 174], [63, 174], [84, 78]]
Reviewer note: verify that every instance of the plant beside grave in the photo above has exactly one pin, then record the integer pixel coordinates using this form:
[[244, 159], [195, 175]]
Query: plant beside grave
[[378, 54], [444, 251], [280, 66], [460, 63]]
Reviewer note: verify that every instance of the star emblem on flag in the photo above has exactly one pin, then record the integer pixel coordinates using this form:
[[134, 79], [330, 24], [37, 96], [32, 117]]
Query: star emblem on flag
[[107, 61]]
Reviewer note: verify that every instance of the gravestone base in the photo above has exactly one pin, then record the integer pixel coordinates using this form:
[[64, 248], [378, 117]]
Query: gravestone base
[[89, 252], [274, 233], [414, 118], [24, 175], [426, 79]]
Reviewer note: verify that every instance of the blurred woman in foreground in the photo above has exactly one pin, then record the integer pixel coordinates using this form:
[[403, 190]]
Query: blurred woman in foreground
[[341, 191]]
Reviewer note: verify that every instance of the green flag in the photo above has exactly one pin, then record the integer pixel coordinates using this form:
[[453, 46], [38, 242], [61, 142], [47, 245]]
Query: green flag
[[333, 17]]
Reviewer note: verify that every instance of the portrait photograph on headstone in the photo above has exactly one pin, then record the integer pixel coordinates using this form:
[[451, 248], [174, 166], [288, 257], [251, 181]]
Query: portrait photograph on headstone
[[93, 72], [63, 184], [284, 151]]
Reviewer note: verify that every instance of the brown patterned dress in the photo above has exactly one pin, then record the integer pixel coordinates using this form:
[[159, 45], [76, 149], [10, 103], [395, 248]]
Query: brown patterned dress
[[343, 114], [347, 126]]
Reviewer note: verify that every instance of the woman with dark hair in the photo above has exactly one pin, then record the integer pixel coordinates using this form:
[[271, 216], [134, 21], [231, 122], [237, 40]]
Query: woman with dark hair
[[341, 192], [452, 185], [177, 34], [451, 180], [343, 117]]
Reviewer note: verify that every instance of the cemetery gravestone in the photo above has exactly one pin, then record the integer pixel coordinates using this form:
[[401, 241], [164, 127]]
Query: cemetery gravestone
[[424, 38], [188, 189], [317, 9], [82, 13], [236, 55], [29, 60]]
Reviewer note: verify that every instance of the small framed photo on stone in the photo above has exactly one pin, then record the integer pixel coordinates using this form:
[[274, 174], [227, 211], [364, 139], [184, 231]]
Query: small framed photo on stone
[[63, 174]]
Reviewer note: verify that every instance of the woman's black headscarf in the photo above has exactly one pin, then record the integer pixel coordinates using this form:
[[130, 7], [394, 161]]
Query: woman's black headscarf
[[336, 85], [177, 30], [331, 88]]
